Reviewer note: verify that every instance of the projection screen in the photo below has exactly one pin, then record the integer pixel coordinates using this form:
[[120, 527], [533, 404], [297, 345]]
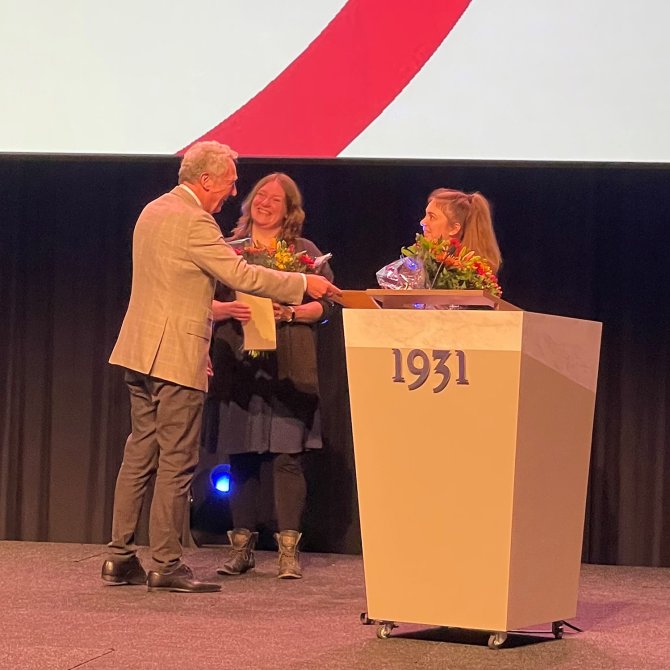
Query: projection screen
[[427, 79]]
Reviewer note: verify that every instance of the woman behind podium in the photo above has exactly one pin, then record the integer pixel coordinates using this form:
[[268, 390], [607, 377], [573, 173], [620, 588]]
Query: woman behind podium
[[269, 405], [465, 217]]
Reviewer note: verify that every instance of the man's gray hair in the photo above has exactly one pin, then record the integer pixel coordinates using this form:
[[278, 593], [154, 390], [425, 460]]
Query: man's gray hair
[[211, 157]]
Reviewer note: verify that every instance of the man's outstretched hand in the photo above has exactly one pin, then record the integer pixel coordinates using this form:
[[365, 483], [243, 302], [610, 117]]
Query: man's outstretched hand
[[320, 287]]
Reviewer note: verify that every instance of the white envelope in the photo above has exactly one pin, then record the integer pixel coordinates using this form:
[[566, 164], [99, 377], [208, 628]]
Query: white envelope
[[260, 332]]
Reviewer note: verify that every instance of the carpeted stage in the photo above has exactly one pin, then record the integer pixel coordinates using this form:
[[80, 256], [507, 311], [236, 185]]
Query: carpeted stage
[[55, 613]]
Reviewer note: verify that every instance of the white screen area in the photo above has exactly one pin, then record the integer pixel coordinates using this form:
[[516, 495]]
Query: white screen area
[[569, 80]]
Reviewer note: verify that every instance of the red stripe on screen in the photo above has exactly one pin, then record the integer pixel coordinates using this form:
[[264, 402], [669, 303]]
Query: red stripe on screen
[[342, 81]]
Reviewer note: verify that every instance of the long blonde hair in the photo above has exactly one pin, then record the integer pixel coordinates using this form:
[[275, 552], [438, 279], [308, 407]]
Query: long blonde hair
[[473, 212], [291, 226]]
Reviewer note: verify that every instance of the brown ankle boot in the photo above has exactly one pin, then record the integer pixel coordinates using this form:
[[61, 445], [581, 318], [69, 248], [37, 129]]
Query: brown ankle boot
[[289, 566], [242, 543]]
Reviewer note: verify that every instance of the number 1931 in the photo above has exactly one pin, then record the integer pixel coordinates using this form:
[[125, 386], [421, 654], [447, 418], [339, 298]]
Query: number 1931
[[419, 364]]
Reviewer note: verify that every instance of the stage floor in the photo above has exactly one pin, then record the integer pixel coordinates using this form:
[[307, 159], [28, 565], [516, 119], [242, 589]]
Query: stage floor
[[55, 613]]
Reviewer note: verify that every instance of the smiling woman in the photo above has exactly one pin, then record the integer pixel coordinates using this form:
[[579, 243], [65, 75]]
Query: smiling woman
[[269, 413], [268, 209], [272, 211]]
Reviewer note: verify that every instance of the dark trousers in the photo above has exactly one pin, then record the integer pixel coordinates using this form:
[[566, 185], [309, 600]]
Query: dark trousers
[[166, 420], [289, 488]]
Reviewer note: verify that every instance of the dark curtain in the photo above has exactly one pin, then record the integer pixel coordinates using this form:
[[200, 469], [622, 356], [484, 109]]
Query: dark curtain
[[581, 241]]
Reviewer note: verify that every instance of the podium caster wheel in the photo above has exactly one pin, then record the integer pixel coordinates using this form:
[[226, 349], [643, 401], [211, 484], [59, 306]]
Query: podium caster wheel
[[497, 640], [557, 629], [365, 620], [384, 630]]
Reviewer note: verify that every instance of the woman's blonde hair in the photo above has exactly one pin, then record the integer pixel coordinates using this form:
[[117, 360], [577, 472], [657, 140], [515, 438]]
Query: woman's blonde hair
[[473, 212], [291, 227]]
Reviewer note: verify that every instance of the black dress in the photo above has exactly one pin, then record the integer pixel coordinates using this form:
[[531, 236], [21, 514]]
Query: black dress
[[269, 403]]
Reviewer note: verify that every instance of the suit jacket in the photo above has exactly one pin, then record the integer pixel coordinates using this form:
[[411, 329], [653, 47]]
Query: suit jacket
[[178, 255]]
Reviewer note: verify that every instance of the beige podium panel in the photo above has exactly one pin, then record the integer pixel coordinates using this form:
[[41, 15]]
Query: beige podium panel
[[472, 435]]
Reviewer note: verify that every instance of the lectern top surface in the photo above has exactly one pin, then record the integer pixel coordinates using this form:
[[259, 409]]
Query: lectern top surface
[[413, 298]]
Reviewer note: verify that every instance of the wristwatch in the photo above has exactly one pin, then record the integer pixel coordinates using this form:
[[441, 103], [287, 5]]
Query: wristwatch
[[291, 319]]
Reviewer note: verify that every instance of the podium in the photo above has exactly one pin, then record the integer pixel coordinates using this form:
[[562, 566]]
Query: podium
[[472, 437]]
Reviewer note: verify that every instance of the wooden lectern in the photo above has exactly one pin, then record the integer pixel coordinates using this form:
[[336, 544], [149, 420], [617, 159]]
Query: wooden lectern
[[472, 436]]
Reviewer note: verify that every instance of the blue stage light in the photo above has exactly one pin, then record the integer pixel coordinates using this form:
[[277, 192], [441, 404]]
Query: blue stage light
[[220, 478]]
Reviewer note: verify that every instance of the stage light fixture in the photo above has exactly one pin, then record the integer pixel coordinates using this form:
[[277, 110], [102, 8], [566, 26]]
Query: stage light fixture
[[220, 478]]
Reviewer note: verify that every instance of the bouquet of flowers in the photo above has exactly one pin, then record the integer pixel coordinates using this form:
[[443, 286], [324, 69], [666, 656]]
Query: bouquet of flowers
[[278, 256], [441, 264]]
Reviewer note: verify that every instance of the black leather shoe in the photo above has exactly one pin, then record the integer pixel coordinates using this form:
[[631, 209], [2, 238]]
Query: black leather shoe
[[179, 580], [124, 571]]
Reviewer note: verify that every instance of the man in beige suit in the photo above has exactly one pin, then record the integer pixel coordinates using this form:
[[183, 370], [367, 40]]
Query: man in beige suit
[[178, 255]]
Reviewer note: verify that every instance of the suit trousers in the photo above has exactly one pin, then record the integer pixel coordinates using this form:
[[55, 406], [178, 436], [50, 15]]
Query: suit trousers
[[165, 439]]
